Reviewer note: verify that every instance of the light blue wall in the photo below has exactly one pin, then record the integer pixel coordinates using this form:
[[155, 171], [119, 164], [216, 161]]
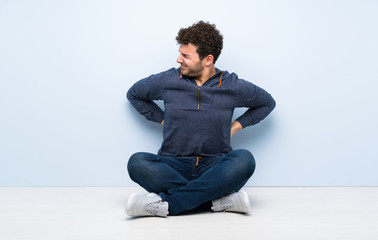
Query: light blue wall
[[65, 67]]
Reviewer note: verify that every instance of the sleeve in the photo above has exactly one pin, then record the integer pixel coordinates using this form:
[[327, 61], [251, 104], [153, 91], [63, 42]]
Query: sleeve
[[259, 103], [142, 95]]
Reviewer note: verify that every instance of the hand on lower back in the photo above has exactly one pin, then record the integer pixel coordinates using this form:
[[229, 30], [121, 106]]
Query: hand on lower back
[[235, 126]]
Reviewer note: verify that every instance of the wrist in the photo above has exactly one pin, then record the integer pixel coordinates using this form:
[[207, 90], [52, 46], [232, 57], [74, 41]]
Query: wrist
[[236, 125]]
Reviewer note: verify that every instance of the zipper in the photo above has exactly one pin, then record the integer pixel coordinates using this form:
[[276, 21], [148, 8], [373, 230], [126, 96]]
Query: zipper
[[199, 87], [199, 98]]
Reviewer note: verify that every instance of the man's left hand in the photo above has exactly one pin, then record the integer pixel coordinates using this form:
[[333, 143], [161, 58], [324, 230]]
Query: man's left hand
[[235, 126]]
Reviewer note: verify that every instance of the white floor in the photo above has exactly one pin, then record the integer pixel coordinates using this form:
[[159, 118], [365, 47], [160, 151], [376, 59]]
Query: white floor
[[303, 213]]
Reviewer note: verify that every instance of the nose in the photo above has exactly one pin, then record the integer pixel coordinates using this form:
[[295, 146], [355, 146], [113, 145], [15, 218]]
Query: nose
[[179, 59]]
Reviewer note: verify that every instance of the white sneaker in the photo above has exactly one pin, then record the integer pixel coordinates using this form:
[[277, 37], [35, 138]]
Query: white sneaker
[[149, 204], [235, 202]]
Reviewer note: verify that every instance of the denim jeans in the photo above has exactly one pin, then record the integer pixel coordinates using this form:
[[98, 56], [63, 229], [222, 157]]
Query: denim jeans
[[188, 182]]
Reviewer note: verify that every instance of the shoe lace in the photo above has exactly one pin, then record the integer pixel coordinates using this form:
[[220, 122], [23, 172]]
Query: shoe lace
[[153, 207], [226, 204]]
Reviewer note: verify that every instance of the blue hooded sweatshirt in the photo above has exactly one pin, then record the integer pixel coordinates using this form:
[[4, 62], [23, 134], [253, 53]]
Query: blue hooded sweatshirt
[[197, 119]]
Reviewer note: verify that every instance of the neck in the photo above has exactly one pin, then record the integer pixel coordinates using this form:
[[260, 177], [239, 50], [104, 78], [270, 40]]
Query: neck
[[207, 73]]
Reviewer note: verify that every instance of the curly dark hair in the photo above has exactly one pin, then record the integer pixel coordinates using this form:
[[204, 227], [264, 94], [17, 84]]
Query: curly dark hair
[[204, 36]]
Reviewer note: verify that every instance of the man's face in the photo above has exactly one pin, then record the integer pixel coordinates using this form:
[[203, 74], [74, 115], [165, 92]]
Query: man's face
[[191, 64]]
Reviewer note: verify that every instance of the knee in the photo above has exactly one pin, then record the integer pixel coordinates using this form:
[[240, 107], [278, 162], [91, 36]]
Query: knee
[[246, 161], [135, 163]]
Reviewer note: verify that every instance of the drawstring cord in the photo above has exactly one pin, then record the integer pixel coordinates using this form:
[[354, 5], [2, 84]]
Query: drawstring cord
[[198, 158], [220, 81]]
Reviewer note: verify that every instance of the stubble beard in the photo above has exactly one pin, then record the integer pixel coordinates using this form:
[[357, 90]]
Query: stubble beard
[[193, 73]]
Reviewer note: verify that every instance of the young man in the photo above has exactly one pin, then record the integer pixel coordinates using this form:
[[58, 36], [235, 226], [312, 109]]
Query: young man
[[195, 166]]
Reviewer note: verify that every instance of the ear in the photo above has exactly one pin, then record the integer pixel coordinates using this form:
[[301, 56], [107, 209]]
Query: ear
[[208, 60]]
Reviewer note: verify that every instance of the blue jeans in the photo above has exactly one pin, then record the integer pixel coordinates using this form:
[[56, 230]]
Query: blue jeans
[[188, 182]]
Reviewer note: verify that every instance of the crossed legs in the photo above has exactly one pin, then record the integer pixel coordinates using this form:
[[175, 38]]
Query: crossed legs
[[186, 183]]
